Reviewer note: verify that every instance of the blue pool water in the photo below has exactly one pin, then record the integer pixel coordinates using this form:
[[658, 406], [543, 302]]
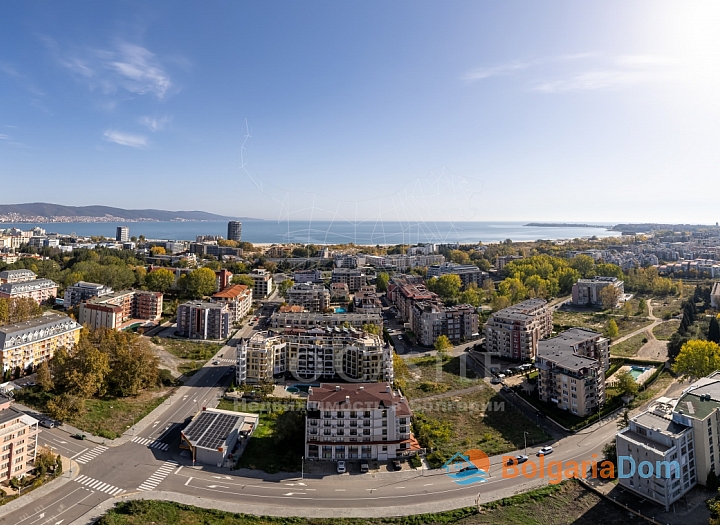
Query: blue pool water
[[340, 310]]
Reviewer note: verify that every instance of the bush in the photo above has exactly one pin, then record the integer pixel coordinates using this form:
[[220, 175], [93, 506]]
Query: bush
[[415, 462]]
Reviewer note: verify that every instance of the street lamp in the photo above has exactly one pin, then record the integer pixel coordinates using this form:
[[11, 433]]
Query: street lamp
[[525, 437], [302, 468]]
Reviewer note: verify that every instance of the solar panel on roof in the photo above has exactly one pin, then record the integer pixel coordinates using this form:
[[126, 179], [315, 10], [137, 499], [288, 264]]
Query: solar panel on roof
[[211, 429]]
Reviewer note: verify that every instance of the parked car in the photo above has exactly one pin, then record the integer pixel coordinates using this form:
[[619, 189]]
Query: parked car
[[341, 467], [545, 451], [48, 423], [507, 389], [216, 362], [78, 436], [400, 337], [508, 372], [364, 467], [396, 464], [496, 380]]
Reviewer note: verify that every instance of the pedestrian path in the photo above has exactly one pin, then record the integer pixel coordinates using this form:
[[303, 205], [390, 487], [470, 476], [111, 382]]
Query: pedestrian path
[[90, 455], [95, 484], [150, 443], [160, 474]]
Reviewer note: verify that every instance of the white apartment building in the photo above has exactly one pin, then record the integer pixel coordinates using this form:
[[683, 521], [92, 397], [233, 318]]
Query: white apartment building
[[260, 358], [305, 320], [312, 297], [514, 332], [18, 439], [307, 276], [357, 421], [262, 283], [17, 276], [430, 321], [40, 290], [238, 298], [354, 278], [468, 273], [82, 291]]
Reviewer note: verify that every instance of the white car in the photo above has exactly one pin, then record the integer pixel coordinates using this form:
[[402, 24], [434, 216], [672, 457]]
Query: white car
[[545, 451], [400, 337], [341, 467]]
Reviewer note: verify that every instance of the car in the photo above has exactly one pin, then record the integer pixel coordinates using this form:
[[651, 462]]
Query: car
[[539, 413], [341, 467], [470, 468], [496, 380], [216, 362], [508, 372], [494, 370], [78, 436], [31, 383], [364, 467], [507, 389], [400, 337], [48, 423], [517, 460], [544, 451], [396, 465]]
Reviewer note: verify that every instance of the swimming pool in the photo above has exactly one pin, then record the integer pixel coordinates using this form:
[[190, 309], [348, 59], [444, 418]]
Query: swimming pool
[[340, 310], [635, 373], [299, 387]]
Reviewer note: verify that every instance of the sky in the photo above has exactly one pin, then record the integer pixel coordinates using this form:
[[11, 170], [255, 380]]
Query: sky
[[484, 111]]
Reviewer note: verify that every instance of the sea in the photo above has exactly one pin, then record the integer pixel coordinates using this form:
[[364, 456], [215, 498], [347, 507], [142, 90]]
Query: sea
[[330, 232]]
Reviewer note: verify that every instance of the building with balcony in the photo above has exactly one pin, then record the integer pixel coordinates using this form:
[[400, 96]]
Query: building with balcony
[[39, 290], [122, 234], [113, 310], [468, 273], [357, 421], [367, 300], [431, 320], [514, 332], [571, 370], [201, 320], [17, 276], [339, 292], [262, 283], [312, 297], [307, 276], [260, 357], [82, 291], [586, 292], [304, 320], [28, 343], [238, 298], [18, 435], [234, 232], [354, 278]]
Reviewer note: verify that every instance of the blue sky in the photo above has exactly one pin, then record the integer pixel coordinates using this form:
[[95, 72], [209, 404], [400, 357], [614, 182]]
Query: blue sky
[[558, 111]]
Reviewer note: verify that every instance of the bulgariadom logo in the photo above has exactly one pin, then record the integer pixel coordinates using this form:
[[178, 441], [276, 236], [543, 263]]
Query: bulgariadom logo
[[467, 468]]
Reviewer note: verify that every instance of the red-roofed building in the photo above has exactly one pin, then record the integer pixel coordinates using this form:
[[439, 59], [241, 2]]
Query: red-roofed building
[[357, 421], [238, 297]]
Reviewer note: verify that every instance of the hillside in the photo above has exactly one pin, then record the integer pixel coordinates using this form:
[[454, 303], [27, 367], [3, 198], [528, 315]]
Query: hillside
[[30, 211]]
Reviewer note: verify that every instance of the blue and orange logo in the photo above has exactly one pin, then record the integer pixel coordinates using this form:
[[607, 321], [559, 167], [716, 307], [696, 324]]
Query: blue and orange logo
[[467, 468]]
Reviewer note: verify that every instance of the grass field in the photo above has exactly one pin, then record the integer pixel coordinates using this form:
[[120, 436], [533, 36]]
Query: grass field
[[666, 307], [563, 504], [597, 321], [107, 417], [665, 330], [190, 349], [629, 347], [428, 376]]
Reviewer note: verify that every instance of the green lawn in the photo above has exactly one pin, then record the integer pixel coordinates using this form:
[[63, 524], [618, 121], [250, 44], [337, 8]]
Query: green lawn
[[106, 417], [192, 350], [563, 504], [629, 347], [190, 367]]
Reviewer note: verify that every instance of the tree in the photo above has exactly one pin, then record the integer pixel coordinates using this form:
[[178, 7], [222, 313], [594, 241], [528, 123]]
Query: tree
[[443, 344], [627, 309], [133, 365], [499, 302], [243, 279], [44, 377], [712, 483], [626, 383], [157, 250], [566, 278], [609, 296], [371, 328], [584, 264], [284, 286], [697, 358], [381, 281], [514, 289], [609, 270], [446, 286], [198, 283], [610, 452], [472, 295], [160, 280], [642, 307], [714, 331], [64, 406], [44, 462], [624, 420], [612, 329]]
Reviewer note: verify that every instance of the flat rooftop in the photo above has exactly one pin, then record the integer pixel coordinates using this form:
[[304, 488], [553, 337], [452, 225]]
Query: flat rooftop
[[212, 428]]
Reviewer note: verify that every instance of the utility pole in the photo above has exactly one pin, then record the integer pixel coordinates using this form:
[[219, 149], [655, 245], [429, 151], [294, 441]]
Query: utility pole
[[525, 437], [302, 468]]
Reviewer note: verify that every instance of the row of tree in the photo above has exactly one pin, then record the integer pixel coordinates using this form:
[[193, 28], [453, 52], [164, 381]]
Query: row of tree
[[18, 309]]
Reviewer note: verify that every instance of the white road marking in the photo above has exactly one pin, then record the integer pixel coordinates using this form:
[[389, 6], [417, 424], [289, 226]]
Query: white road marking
[[188, 481], [178, 470], [76, 455]]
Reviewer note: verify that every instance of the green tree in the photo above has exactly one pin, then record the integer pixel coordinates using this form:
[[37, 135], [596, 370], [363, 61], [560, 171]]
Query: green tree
[[626, 383], [242, 279], [584, 264], [44, 377], [133, 365], [714, 330], [64, 406], [514, 289], [284, 286], [446, 286], [626, 309], [157, 250], [609, 296], [499, 302], [566, 278], [609, 270], [371, 328], [697, 358], [642, 307], [443, 344], [160, 280], [472, 295], [612, 329], [198, 283], [44, 462], [381, 281]]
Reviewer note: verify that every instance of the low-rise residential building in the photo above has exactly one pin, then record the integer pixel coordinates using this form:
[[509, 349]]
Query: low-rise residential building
[[357, 421], [304, 320], [397, 282], [39, 290], [238, 298], [113, 310], [571, 370], [202, 320], [514, 332], [328, 353], [354, 278], [586, 292], [307, 276], [468, 273], [431, 320], [28, 343], [312, 297], [17, 276], [213, 434], [367, 300], [402, 262], [262, 283], [339, 292], [82, 291], [18, 435]]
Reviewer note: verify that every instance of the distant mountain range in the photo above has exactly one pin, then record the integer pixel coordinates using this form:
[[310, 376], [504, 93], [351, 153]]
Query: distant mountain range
[[32, 212]]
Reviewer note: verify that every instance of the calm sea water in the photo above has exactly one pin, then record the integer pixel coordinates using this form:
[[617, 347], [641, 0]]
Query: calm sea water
[[328, 232]]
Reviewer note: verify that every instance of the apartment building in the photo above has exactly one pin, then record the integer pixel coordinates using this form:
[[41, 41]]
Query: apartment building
[[18, 435], [571, 370], [304, 320], [586, 292], [113, 310], [402, 262], [307, 276], [202, 320], [408, 295], [82, 291], [502, 260], [397, 282], [357, 421], [339, 292], [514, 332], [122, 234], [468, 273], [17, 276], [222, 279], [29, 343], [212, 248], [715, 295], [40, 290], [367, 300], [238, 298], [312, 297], [431, 320], [354, 278], [234, 232], [328, 353], [262, 283]]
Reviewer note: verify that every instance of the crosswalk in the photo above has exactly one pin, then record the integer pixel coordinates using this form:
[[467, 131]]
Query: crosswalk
[[91, 454], [150, 443], [160, 474], [227, 361], [95, 484]]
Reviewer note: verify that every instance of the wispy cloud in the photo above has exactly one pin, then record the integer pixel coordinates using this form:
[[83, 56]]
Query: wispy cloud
[[516, 66], [126, 139], [19, 78], [4, 137], [124, 66], [155, 123]]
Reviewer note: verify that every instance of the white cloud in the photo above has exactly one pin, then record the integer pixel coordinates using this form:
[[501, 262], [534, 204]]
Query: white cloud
[[494, 71], [4, 137], [155, 123], [126, 139], [139, 71]]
